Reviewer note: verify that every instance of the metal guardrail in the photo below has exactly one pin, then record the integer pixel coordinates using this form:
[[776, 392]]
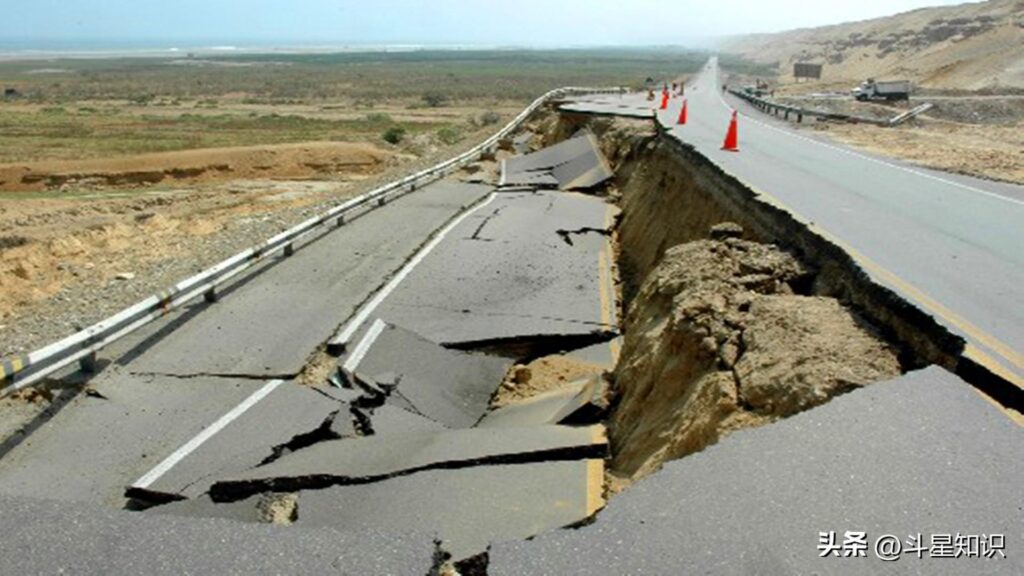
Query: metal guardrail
[[22, 370], [912, 113], [769, 107]]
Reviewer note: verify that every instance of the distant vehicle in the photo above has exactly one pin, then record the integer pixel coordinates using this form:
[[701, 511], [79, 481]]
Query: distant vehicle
[[871, 89], [760, 89]]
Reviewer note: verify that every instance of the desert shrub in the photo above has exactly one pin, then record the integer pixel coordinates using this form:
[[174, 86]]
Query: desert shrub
[[435, 99], [394, 135], [378, 118], [489, 117], [449, 135]]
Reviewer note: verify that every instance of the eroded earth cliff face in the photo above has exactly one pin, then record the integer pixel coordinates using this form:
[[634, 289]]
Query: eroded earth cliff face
[[724, 327], [718, 339]]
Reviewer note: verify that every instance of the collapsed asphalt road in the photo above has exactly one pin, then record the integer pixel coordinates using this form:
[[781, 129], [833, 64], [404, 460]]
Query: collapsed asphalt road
[[202, 414], [474, 331], [946, 242]]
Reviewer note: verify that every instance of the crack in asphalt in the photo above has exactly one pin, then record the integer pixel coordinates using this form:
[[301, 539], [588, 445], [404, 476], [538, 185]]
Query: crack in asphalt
[[509, 315], [566, 235], [484, 222]]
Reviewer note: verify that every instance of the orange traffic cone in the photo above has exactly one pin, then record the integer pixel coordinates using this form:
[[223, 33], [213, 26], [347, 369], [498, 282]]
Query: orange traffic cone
[[682, 114], [731, 143], [664, 100]]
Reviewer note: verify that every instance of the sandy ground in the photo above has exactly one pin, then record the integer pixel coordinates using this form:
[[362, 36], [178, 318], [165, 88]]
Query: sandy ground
[[77, 252], [541, 375], [717, 340], [285, 161], [967, 46], [978, 135], [984, 151]]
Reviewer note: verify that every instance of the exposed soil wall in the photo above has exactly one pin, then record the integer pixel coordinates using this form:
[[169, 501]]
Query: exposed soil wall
[[752, 322], [671, 194], [717, 339], [676, 194]]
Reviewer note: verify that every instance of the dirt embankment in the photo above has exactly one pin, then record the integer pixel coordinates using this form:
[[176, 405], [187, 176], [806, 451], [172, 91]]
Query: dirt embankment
[[761, 321], [718, 340], [286, 161], [982, 151], [979, 136], [542, 375], [971, 46]]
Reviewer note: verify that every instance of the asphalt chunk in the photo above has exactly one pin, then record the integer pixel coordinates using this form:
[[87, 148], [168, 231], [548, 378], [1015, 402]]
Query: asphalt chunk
[[448, 386], [379, 457]]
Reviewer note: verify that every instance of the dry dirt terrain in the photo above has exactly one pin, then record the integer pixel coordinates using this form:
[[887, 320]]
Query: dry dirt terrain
[[964, 47], [83, 238], [718, 340], [983, 151], [966, 60], [286, 161], [121, 176]]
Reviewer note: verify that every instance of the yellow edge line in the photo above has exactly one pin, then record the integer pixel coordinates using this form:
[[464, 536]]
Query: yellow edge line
[[929, 303], [595, 473], [606, 263], [602, 288], [595, 486], [937, 308], [982, 358], [607, 305]]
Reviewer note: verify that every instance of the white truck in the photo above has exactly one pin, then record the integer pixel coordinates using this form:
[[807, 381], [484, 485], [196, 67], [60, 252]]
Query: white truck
[[871, 89]]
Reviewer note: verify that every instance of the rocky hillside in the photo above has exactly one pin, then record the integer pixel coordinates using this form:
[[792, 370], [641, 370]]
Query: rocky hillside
[[969, 46]]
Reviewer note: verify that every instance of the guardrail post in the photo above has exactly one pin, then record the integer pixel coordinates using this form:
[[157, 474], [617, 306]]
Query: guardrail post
[[211, 296], [88, 363], [289, 249], [382, 200], [786, 117], [340, 221], [799, 117]]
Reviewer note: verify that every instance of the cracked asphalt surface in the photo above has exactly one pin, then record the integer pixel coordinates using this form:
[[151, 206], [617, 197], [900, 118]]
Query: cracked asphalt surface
[[206, 401], [203, 409]]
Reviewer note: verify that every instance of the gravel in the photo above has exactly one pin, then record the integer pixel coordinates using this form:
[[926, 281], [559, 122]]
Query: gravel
[[82, 303]]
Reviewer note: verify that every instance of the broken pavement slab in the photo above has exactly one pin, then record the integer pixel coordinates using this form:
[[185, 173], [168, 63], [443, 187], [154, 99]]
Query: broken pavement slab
[[95, 446], [447, 386], [507, 274], [576, 163], [466, 509], [469, 508], [604, 354], [300, 417], [251, 509], [268, 326], [922, 453], [378, 457], [389, 419], [630, 106], [580, 402], [54, 537]]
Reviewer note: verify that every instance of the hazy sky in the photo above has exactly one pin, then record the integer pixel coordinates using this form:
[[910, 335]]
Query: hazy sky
[[522, 22]]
